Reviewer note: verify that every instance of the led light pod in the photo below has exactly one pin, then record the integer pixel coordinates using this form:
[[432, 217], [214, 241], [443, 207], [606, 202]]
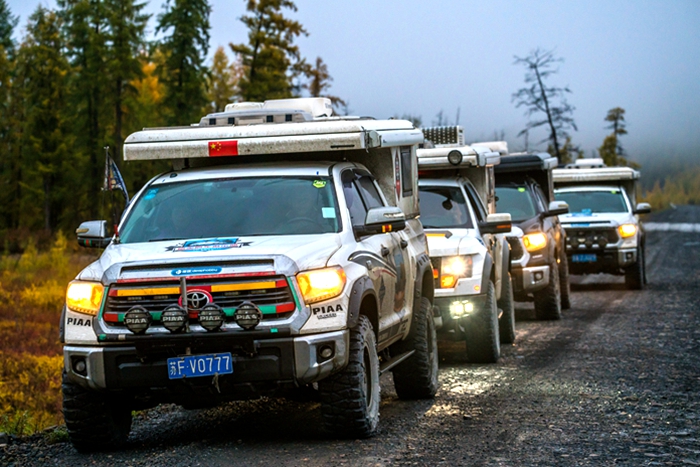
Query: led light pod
[[247, 315], [137, 319], [211, 317], [174, 318]]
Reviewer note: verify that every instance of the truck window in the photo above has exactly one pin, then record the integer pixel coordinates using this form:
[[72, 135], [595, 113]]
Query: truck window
[[356, 207], [443, 207], [233, 208], [477, 203], [406, 171], [594, 201], [369, 192], [516, 201]]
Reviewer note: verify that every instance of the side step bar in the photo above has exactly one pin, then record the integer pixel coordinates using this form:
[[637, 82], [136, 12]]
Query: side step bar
[[388, 365]]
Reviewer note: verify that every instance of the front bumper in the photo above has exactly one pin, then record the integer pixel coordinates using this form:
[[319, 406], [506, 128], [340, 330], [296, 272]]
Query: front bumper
[[260, 366], [610, 261], [529, 279]]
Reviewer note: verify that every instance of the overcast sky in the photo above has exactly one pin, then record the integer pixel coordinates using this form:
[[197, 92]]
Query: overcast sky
[[398, 57]]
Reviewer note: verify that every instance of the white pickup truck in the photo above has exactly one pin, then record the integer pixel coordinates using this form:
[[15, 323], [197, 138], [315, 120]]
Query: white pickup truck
[[283, 250], [603, 230], [469, 253]]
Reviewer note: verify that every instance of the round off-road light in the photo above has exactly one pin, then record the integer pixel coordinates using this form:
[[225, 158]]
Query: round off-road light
[[454, 157], [247, 315], [174, 318], [211, 317], [326, 352], [137, 319]]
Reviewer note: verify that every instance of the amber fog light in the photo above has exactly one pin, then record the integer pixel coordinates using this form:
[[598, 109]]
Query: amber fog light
[[211, 317], [174, 318], [137, 319], [247, 315]]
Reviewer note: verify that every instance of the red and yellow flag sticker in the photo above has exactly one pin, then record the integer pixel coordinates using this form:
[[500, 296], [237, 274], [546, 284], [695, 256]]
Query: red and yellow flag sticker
[[223, 148]]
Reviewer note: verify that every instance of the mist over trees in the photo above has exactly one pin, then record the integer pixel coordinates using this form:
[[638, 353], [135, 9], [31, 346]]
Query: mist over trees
[[85, 76]]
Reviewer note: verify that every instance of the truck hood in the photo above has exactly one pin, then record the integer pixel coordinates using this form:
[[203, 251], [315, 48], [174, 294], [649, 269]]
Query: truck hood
[[603, 219], [280, 254], [451, 242]]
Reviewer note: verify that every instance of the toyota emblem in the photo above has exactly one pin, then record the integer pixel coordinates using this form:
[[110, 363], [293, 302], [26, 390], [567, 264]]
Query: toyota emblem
[[197, 299]]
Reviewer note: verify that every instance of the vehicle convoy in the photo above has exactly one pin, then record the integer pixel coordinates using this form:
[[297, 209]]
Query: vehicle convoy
[[604, 233], [469, 253], [539, 268], [283, 250]]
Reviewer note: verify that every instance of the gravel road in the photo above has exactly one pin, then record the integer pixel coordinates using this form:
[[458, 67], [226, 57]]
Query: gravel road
[[615, 382]]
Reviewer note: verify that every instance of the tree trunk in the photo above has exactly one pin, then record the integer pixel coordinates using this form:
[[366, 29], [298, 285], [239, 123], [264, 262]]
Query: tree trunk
[[553, 135]]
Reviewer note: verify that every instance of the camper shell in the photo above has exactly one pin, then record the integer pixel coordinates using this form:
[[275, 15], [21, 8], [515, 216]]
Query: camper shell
[[454, 174], [280, 306]]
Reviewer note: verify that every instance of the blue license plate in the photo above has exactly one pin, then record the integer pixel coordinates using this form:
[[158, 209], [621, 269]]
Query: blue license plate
[[193, 366], [584, 258]]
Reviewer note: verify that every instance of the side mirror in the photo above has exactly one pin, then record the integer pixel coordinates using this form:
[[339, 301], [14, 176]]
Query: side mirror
[[93, 234], [643, 208], [495, 224], [381, 220], [556, 208]]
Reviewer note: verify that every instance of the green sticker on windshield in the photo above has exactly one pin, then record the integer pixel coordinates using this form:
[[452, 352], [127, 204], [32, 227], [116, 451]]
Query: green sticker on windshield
[[614, 192], [319, 183], [521, 190]]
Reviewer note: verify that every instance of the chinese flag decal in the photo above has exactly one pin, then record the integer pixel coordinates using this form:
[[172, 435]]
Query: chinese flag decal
[[223, 148]]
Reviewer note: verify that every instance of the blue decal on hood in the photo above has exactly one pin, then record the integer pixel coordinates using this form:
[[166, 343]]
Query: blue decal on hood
[[210, 244], [195, 271]]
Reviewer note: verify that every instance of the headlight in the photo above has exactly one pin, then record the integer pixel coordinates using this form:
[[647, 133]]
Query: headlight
[[627, 230], [453, 268], [321, 284], [84, 297], [535, 241]]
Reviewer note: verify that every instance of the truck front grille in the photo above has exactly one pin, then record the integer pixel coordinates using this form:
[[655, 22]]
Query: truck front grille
[[590, 238], [271, 294]]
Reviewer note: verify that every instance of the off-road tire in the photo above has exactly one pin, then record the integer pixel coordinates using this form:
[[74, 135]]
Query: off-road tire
[[634, 275], [481, 329], [564, 283], [95, 421], [350, 398], [506, 323], [417, 377], [548, 300]]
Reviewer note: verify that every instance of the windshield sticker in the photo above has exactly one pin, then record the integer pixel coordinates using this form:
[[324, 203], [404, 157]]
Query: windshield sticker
[[150, 194], [319, 183], [195, 271], [211, 244], [328, 213], [521, 189]]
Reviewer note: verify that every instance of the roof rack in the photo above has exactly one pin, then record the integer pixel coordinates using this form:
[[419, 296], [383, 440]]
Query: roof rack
[[586, 164], [442, 136]]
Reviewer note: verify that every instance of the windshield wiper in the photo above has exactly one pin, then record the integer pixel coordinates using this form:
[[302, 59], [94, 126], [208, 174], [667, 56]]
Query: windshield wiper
[[166, 239]]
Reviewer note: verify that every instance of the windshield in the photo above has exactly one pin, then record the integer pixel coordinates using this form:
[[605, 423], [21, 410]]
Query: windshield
[[233, 207], [443, 207], [516, 201], [588, 202]]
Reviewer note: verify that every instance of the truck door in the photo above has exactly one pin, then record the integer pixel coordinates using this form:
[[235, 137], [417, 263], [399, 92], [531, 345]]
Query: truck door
[[383, 255]]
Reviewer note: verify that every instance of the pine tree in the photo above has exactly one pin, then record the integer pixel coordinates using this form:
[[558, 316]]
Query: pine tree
[[84, 27], [611, 150], [185, 46], [223, 81], [320, 82], [126, 26], [7, 162], [46, 164], [271, 61], [539, 98]]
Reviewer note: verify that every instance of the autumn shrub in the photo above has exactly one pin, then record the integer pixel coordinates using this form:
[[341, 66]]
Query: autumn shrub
[[32, 289]]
